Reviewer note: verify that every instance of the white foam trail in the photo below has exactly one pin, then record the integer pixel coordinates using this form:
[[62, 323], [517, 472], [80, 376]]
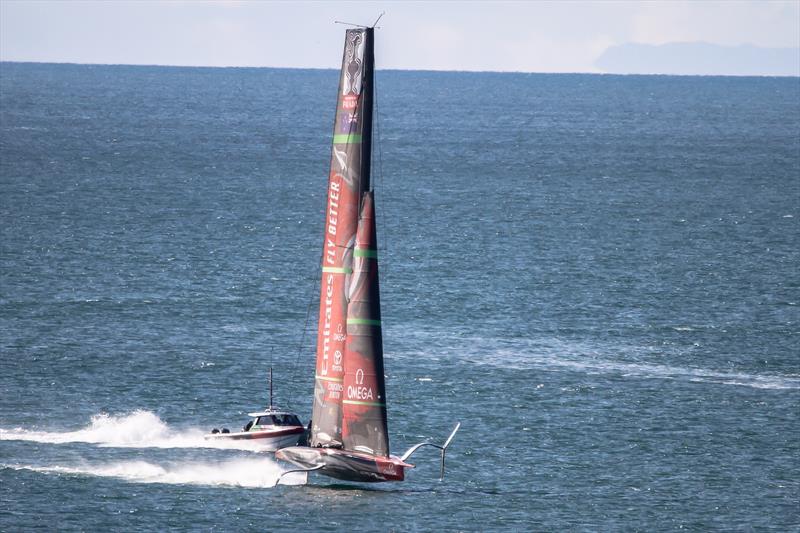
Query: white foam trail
[[139, 429], [554, 354], [251, 473], [592, 364]]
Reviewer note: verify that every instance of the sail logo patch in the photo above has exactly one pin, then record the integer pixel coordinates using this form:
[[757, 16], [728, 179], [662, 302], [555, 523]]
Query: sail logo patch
[[387, 469], [340, 156], [350, 102], [353, 62], [359, 391], [327, 323], [334, 391], [348, 122]]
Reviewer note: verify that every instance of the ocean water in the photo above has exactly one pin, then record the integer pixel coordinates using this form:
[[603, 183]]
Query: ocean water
[[597, 275]]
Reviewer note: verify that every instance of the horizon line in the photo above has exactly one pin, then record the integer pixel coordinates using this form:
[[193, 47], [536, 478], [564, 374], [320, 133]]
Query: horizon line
[[75, 63]]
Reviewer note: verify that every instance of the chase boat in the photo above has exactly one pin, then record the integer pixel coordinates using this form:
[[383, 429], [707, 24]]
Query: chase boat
[[272, 428]]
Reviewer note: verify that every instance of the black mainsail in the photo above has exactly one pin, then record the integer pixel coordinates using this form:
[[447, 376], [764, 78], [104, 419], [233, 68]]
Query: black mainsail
[[347, 181]]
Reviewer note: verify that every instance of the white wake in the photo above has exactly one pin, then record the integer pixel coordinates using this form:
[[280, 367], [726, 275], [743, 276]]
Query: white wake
[[592, 364], [553, 354], [248, 472], [139, 429]]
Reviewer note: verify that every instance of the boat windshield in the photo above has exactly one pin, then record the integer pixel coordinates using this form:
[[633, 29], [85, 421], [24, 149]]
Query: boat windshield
[[291, 420], [279, 420]]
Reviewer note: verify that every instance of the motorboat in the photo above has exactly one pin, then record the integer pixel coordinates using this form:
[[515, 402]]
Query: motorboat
[[272, 428]]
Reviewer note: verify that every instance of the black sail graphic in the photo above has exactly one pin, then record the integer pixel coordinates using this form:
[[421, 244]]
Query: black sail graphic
[[348, 179], [364, 405]]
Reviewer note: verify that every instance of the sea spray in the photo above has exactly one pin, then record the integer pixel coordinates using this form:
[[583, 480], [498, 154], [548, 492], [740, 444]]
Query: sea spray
[[139, 429], [259, 472]]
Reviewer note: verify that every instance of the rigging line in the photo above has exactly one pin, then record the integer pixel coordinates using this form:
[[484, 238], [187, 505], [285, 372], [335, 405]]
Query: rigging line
[[374, 24], [350, 24], [316, 277]]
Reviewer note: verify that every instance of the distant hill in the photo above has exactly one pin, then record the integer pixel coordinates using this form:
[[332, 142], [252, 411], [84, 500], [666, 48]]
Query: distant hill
[[700, 59]]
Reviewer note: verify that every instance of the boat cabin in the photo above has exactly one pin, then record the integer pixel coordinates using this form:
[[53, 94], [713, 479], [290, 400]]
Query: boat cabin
[[272, 419]]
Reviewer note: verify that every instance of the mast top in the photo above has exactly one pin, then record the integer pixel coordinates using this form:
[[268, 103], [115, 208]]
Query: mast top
[[374, 24]]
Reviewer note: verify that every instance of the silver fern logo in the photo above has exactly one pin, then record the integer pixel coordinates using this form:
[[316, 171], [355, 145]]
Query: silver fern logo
[[354, 62]]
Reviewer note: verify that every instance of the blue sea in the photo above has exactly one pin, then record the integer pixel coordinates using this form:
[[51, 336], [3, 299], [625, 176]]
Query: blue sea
[[598, 276]]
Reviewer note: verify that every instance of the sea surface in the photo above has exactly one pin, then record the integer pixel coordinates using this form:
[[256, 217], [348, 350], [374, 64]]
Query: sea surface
[[598, 276]]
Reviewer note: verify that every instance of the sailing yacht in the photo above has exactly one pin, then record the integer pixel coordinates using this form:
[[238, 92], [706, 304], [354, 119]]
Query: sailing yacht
[[349, 436]]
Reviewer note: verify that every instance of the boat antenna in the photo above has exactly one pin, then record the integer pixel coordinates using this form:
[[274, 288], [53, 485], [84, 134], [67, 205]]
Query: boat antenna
[[271, 350], [270, 388]]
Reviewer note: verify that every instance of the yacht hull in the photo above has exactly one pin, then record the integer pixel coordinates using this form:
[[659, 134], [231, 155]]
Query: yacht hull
[[346, 465]]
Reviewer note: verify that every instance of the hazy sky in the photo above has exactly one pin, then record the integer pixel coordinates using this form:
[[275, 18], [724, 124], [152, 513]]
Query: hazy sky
[[517, 36]]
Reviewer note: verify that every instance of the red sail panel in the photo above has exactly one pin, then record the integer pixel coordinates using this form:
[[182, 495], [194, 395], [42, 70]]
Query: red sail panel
[[349, 176], [364, 426]]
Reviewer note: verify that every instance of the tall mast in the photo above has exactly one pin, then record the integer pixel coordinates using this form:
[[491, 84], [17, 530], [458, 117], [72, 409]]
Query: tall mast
[[366, 134]]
